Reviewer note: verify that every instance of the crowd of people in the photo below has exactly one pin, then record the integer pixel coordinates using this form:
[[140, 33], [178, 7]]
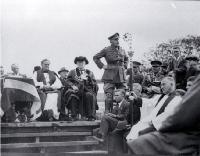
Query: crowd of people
[[73, 94], [70, 96]]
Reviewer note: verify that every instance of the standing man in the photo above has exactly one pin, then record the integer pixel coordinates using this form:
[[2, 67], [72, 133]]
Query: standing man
[[177, 59], [114, 74]]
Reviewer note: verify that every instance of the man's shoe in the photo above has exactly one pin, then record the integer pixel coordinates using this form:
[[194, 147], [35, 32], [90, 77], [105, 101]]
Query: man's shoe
[[98, 139]]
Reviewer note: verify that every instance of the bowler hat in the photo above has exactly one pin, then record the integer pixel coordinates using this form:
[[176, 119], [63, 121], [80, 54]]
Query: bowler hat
[[81, 58]]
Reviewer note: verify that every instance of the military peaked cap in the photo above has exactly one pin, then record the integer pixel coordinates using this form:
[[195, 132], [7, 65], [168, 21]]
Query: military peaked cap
[[113, 37], [192, 58], [156, 63], [136, 63]]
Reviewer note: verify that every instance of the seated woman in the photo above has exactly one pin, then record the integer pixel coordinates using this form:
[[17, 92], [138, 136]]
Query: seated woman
[[81, 96]]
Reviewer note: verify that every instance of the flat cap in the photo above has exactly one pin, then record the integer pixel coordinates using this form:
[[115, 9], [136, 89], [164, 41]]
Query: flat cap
[[63, 69], [81, 58], [114, 37]]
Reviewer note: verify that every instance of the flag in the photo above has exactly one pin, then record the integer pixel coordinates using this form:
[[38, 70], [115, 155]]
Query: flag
[[20, 89]]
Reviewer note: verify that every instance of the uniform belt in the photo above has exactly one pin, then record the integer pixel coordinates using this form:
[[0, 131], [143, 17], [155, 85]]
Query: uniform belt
[[118, 63]]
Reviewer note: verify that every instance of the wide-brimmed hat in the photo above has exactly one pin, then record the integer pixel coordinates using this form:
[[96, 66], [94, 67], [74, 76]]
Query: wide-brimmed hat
[[81, 58], [62, 70]]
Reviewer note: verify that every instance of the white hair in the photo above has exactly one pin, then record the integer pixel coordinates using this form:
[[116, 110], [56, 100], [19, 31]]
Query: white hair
[[170, 79]]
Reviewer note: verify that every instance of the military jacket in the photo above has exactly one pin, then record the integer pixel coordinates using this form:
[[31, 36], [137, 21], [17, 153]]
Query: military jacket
[[116, 59]]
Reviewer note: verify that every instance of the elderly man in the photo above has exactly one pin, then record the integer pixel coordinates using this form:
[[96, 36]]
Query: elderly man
[[15, 72], [48, 84], [163, 108], [179, 132], [63, 72], [114, 74]]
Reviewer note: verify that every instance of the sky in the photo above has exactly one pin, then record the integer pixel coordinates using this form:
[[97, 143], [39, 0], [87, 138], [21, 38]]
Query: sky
[[60, 30]]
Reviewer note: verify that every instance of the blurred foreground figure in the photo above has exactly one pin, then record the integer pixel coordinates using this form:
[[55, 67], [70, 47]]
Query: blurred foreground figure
[[179, 133]]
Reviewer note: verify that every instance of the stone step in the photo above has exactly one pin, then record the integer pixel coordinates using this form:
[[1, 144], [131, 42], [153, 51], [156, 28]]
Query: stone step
[[45, 134], [47, 144]]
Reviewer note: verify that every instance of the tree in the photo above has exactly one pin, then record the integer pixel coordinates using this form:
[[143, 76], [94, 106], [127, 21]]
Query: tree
[[187, 45]]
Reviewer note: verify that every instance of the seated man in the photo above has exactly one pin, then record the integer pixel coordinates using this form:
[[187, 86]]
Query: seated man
[[81, 98], [116, 119], [178, 132], [63, 72], [15, 72], [168, 99], [135, 104], [48, 84]]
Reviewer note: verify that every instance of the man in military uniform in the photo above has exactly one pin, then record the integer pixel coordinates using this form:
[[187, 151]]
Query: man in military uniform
[[152, 81], [114, 74], [137, 77]]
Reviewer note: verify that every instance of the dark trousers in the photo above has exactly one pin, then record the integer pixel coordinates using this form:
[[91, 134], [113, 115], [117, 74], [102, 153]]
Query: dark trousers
[[73, 106], [89, 105], [108, 124]]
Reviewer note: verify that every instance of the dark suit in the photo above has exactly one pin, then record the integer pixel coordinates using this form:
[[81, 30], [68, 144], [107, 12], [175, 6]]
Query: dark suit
[[114, 74], [109, 123], [180, 133]]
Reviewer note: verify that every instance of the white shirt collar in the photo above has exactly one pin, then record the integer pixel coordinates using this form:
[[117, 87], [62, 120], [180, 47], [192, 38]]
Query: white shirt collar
[[121, 103]]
